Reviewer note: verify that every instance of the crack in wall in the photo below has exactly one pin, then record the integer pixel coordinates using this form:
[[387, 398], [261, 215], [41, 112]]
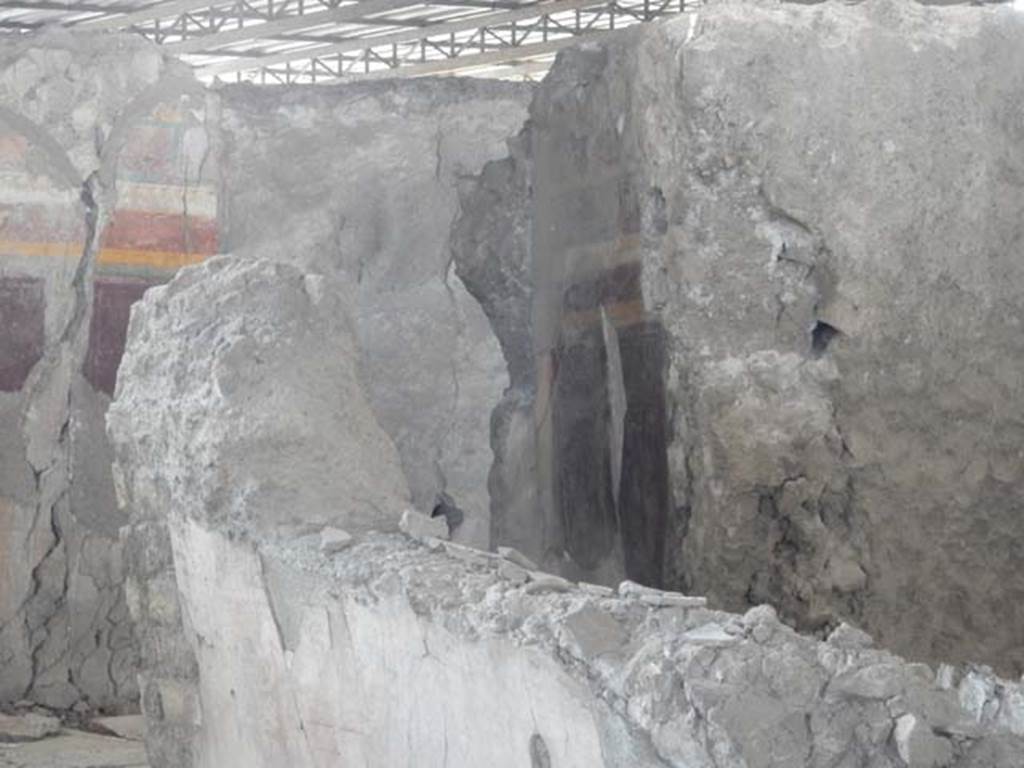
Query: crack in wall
[[456, 393], [49, 405], [70, 344]]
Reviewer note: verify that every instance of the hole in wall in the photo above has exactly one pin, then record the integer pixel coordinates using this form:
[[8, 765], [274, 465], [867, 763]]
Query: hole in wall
[[539, 755], [821, 336], [656, 213], [446, 507]]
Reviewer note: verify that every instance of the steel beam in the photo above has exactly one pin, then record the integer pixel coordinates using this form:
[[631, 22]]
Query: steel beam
[[324, 40], [279, 28], [478, 60], [346, 13], [151, 12], [52, 5], [360, 43]]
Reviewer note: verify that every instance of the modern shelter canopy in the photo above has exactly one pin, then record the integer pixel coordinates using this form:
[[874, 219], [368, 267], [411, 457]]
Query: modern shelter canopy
[[316, 41]]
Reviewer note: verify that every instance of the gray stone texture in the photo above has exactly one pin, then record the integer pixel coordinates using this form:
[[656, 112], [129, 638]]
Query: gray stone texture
[[241, 402], [804, 225], [490, 243], [416, 525], [68, 110], [27, 726], [75, 749], [391, 653], [308, 181], [362, 181], [241, 405], [429, 365]]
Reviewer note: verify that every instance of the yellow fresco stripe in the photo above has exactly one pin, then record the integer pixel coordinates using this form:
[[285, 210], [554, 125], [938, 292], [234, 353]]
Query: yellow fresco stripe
[[23, 248], [159, 259], [107, 256]]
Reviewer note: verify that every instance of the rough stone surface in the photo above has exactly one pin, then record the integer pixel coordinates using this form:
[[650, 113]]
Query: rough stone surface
[[490, 244], [240, 403], [513, 555], [98, 139], [803, 224], [75, 749], [391, 651], [418, 526], [918, 746], [379, 217], [27, 726], [660, 597], [131, 727], [270, 426], [391, 654], [112, 179], [334, 540], [761, 344]]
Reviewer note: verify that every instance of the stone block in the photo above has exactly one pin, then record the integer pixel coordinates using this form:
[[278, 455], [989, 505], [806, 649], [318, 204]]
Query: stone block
[[418, 526], [334, 540]]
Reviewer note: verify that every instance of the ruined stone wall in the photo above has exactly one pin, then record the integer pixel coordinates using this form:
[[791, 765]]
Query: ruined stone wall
[[395, 653], [116, 169], [788, 239], [103, 192], [240, 404], [317, 647]]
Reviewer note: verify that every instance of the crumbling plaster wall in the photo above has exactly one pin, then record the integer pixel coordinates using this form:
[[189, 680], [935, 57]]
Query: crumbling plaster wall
[[112, 177], [788, 238], [100, 160]]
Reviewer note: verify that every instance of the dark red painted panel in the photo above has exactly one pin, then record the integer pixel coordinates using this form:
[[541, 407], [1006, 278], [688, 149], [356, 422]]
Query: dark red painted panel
[[22, 329], [108, 328], [143, 231]]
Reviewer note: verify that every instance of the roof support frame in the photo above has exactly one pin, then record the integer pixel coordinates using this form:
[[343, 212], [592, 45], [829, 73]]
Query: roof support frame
[[315, 41]]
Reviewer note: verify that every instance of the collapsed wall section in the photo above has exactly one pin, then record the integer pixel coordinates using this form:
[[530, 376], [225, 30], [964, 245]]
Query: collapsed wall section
[[316, 646], [393, 653], [774, 257], [240, 405]]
